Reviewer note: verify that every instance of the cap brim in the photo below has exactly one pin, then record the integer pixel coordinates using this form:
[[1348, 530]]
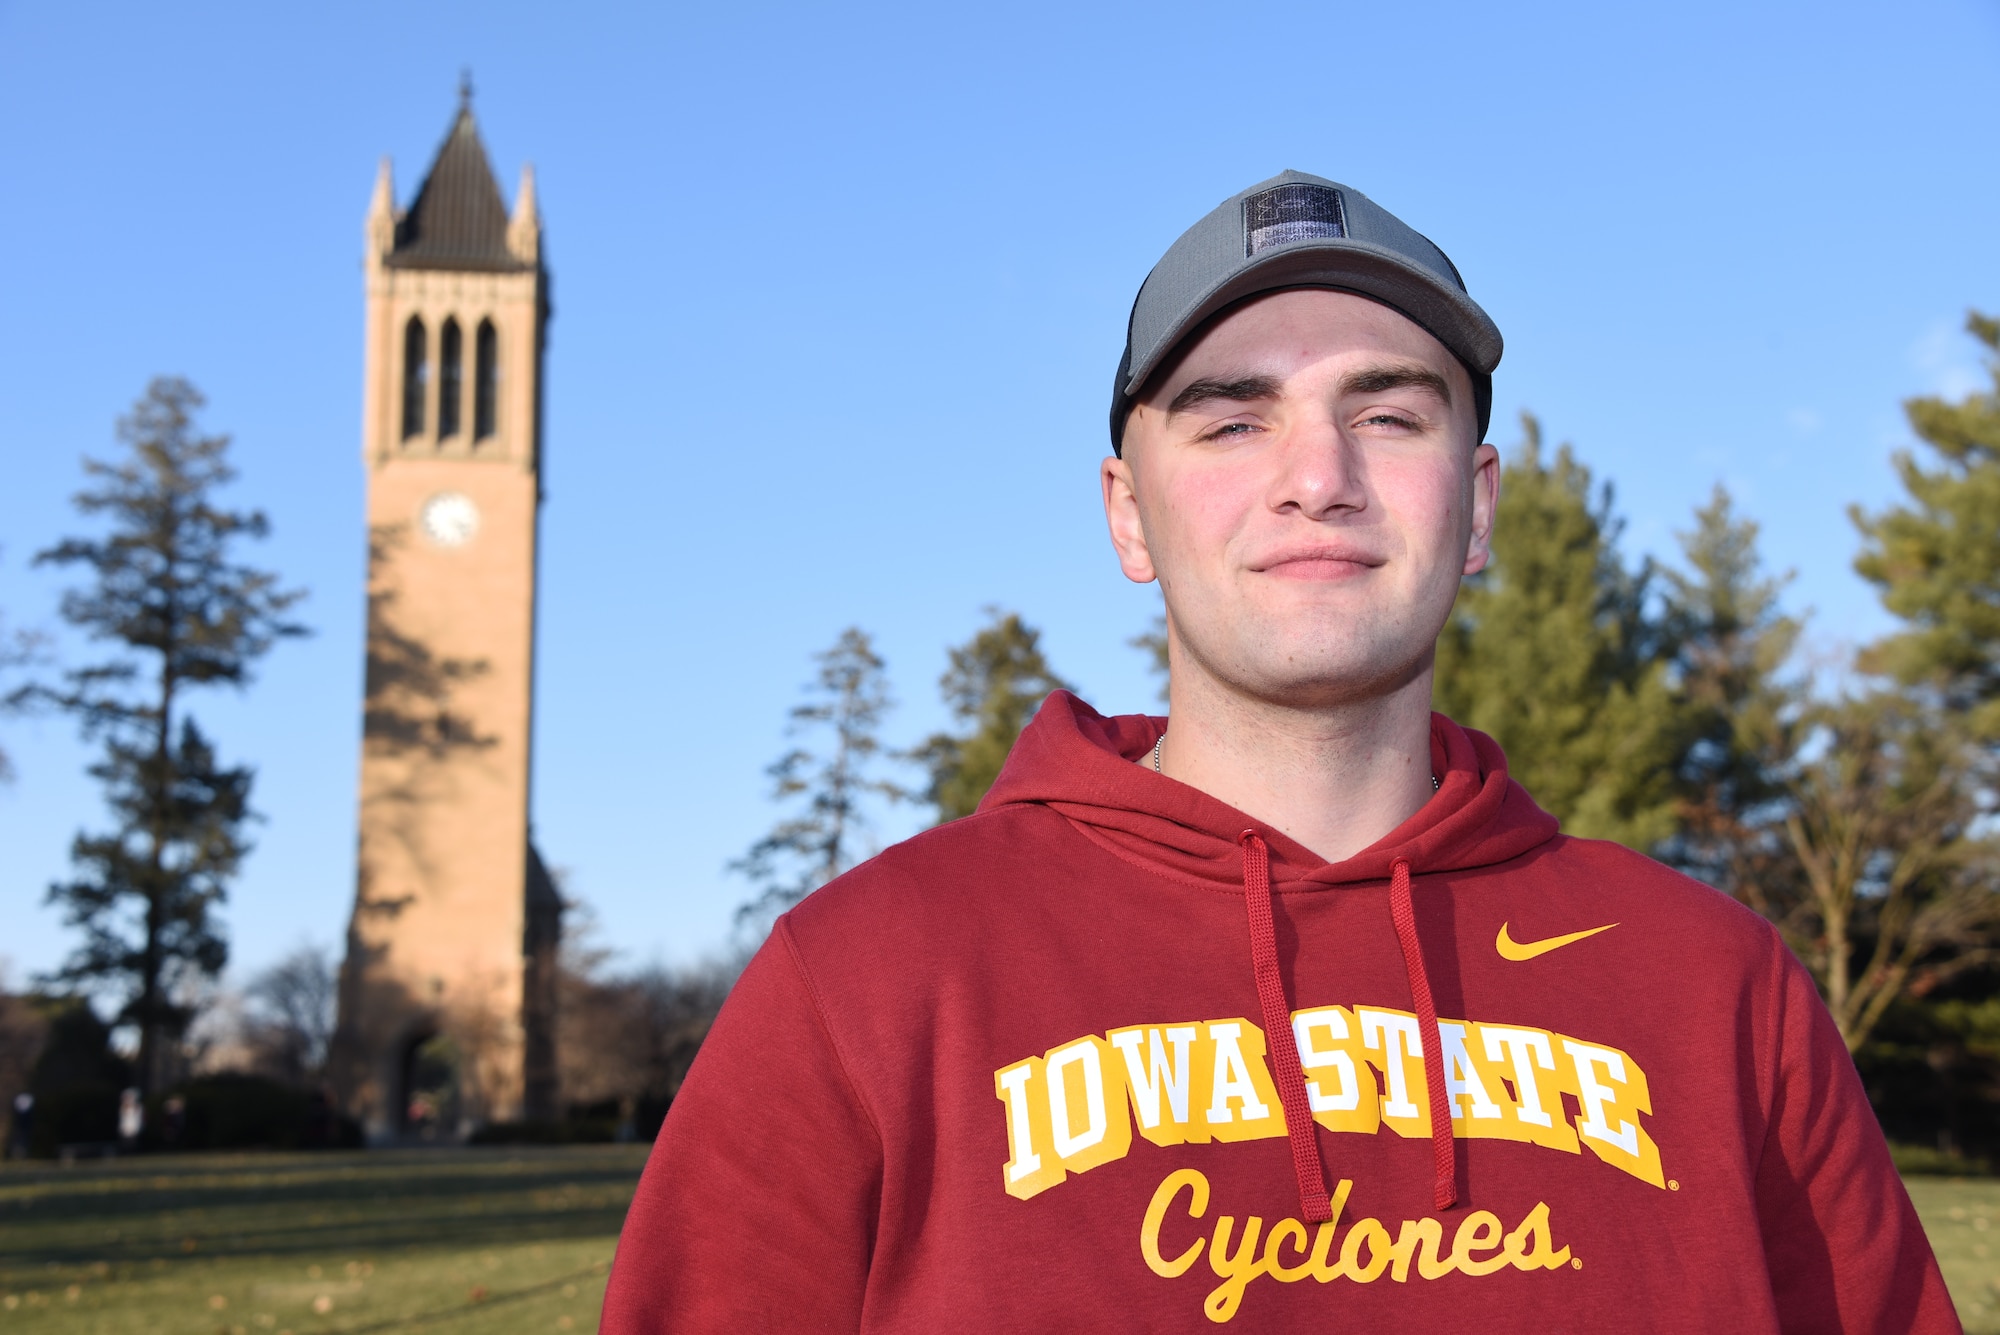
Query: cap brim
[[1450, 317]]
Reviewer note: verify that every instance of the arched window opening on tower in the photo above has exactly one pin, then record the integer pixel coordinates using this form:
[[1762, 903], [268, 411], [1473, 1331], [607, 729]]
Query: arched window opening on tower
[[485, 377], [416, 377], [451, 376]]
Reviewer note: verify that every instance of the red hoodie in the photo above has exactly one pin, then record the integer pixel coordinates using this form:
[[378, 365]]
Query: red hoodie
[[1019, 1073]]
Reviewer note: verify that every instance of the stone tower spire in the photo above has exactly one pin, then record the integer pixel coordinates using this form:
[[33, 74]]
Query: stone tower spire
[[524, 229], [447, 991], [382, 215]]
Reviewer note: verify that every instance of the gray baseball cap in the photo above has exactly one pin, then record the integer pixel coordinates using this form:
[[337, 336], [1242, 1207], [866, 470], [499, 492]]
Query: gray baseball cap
[[1296, 230]]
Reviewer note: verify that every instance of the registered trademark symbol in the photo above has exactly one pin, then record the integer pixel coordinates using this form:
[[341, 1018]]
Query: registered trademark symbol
[[1673, 1184], [1576, 1262]]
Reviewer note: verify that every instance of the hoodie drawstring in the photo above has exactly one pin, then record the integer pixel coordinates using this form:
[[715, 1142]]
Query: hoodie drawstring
[[1404, 914], [1279, 1044]]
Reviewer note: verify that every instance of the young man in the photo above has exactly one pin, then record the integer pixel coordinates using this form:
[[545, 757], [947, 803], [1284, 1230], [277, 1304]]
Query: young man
[[1297, 1013]]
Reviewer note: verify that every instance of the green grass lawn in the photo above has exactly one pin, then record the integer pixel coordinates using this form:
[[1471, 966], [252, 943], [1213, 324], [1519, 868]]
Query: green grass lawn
[[453, 1241], [1962, 1217], [450, 1241]]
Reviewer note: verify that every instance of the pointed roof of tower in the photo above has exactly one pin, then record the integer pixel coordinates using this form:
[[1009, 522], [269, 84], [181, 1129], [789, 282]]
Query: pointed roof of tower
[[459, 220]]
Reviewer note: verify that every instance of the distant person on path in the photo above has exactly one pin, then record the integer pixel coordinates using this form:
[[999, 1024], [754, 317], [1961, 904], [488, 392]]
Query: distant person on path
[[1290, 1011], [131, 1119]]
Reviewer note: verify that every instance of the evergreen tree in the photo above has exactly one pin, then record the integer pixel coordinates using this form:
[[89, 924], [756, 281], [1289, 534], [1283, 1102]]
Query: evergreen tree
[[1936, 559], [996, 682], [1852, 821], [822, 839], [1733, 646], [180, 613], [17, 648], [1897, 862], [1551, 650]]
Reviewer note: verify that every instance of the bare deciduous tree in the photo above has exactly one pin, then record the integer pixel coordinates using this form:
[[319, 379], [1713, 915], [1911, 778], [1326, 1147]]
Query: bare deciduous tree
[[1890, 892], [292, 1014], [629, 1039]]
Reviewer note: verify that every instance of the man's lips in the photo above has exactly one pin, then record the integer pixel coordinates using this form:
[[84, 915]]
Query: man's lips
[[1318, 563]]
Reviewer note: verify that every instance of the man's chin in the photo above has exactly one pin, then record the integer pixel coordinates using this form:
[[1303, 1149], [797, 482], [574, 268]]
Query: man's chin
[[1316, 674]]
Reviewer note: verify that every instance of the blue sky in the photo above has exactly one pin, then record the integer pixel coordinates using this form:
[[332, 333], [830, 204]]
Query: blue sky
[[838, 296]]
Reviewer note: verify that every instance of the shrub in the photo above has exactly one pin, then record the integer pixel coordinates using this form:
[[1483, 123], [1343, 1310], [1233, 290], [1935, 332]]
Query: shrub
[[84, 1112]]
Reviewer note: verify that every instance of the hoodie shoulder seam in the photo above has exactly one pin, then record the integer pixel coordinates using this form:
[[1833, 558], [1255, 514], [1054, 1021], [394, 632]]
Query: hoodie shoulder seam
[[783, 930]]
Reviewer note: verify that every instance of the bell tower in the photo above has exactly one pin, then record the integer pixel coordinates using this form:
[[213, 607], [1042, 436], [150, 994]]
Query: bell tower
[[447, 991]]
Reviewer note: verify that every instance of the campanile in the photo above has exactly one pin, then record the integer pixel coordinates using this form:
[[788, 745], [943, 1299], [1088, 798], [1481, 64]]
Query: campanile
[[447, 991]]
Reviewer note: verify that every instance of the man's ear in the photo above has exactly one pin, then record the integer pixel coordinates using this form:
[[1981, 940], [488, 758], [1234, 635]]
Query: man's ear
[[1485, 505], [1121, 516]]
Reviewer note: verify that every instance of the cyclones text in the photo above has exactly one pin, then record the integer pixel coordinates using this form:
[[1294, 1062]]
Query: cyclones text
[[1480, 1245]]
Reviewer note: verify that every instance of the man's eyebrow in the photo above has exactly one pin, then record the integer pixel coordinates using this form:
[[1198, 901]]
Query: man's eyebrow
[[1396, 375], [1243, 389]]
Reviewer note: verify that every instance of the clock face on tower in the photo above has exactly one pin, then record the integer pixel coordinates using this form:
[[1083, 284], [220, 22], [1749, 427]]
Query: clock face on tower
[[449, 519]]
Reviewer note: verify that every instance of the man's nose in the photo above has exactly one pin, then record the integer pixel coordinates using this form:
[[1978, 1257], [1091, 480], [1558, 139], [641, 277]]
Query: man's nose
[[1320, 470]]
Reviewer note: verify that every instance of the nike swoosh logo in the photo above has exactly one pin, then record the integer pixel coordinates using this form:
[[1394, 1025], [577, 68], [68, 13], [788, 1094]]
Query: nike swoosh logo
[[1510, 949]]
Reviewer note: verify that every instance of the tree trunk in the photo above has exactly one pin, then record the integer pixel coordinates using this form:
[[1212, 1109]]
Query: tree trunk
[[153, 1074]]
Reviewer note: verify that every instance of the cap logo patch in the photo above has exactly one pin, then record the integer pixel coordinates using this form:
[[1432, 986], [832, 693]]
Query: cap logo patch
[[1290, 213]]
